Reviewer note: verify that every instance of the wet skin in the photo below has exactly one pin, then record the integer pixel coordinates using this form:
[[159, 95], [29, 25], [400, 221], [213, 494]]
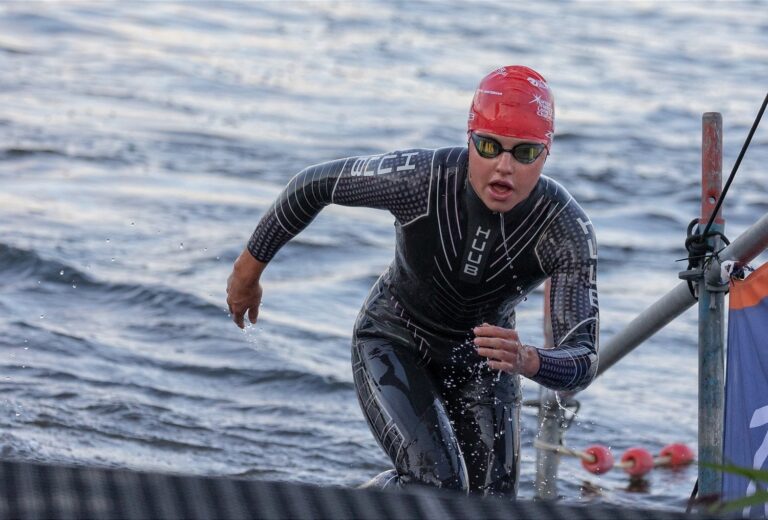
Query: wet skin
[[502, 182]]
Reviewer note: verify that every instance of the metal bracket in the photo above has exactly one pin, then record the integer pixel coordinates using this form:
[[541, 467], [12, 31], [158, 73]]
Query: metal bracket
[[691, 275], [723, 287]]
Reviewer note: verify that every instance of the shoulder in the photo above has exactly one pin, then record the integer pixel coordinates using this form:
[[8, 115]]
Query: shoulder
[[569, 208], [569, 236], [453, 158], [412, 160]]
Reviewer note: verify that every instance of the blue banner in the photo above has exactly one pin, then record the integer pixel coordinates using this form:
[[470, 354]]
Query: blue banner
[[745, 439]]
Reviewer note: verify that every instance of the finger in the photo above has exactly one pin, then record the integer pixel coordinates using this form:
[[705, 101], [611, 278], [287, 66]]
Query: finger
[[490, 353], [253, 313], [500, 355], [493, 330], [504, 367], [498, 343], [238, 318]]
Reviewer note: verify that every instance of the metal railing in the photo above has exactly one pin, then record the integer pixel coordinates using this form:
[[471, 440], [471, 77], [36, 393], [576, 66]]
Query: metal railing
[[710, 292]]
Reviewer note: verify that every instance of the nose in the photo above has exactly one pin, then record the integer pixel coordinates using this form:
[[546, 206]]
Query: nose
[[505, 163]]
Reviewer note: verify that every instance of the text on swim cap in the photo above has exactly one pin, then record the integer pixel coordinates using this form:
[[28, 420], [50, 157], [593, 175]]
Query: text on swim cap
[[543, 108], [538, 83]]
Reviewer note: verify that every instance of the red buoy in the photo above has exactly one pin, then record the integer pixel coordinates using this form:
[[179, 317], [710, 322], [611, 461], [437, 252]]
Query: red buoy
[[603, 459], [676, 455], [637, 461]]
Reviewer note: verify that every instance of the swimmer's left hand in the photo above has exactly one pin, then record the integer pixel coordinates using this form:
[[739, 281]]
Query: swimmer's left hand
[[504, 351]]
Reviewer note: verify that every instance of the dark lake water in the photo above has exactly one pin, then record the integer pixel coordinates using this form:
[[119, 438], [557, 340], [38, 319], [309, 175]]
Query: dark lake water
[[141, 141]]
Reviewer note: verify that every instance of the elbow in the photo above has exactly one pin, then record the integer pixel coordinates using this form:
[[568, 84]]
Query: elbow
[[584, 379], [568, 368]]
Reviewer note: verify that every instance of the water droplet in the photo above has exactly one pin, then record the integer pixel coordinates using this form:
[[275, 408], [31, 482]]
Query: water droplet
[[42, 316], [61, 273], [181, 246], [74, 285], [113, 258], [107, 240], [132, 223]]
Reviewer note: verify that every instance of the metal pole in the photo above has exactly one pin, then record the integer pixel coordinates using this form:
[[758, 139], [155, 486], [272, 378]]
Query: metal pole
[[711, 315], [743, 249], [551, 422], [647, 323]]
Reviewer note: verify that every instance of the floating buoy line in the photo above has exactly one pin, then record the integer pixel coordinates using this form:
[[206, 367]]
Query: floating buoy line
[[636, 461]]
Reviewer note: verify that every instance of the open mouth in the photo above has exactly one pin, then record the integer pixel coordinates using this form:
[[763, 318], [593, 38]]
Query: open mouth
[[500, 189]]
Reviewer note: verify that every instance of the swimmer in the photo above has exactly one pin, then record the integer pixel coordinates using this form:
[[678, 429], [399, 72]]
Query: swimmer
[[435, 355]]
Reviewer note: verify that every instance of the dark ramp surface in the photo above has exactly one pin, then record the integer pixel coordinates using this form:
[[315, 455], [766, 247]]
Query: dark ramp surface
[[52, 492]]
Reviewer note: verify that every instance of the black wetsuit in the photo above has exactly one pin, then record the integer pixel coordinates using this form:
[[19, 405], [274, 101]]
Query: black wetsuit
[[443, 417]]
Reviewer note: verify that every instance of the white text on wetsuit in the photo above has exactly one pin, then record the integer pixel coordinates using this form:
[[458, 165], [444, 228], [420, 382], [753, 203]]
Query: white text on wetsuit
[[475, 255], [592, 256], [382, 164]]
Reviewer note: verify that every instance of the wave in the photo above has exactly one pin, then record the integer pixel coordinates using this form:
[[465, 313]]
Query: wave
[[105, 429], [13, 50], [49, 25], [17, 263], [14, 153]]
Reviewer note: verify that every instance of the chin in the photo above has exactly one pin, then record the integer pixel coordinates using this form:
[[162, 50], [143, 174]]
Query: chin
[[500, 206]]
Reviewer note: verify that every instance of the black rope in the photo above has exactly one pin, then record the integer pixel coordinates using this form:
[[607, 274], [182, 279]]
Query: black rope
[[699, 250], [736, 165], [692, 499]]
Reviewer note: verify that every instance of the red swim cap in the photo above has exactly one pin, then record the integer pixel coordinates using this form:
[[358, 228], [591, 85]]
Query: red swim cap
[[514, 101]]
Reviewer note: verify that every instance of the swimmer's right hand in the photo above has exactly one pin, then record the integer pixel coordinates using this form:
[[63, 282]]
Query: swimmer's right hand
[[244, 289]]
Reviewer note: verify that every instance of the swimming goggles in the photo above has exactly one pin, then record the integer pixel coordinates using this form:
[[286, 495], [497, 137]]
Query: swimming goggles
[[489, 148]]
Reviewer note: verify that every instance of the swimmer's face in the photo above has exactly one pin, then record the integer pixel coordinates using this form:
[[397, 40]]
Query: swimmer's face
[[502, 182]]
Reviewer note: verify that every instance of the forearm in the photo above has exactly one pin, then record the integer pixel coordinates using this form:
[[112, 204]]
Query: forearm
[[298, 204], [571, 366], [398, 182]]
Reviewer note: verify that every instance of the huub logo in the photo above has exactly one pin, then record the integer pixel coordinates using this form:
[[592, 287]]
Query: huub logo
[[476, 251], [592, 245]]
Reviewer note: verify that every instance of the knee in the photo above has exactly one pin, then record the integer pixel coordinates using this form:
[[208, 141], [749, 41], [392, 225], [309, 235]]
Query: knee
[[446, 472]]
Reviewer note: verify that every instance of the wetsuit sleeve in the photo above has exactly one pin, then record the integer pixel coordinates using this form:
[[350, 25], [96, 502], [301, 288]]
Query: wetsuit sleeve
[[398, 182], [567, 252]]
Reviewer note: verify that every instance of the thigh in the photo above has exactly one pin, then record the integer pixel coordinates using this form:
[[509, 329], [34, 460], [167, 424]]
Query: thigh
[[486, 415], [403, 408]]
